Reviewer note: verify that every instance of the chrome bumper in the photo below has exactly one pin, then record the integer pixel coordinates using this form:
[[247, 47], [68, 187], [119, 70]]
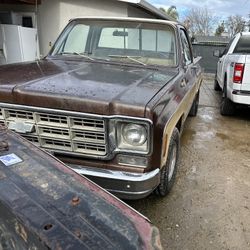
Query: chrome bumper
[[122, 184]]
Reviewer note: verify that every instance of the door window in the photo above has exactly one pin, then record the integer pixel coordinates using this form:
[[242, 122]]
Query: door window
[[186, 51]]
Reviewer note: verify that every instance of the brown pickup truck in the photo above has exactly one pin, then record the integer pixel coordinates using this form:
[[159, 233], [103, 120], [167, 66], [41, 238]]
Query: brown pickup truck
[[109, 100]]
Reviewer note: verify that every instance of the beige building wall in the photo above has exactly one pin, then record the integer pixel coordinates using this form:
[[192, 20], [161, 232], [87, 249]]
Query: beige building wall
[[54, 15], [48, 24]]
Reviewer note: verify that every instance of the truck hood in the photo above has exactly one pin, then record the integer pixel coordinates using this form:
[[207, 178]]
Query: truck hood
[[90, 87]]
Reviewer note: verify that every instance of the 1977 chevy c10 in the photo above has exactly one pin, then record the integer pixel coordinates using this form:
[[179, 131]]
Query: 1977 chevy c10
[[109, 100]]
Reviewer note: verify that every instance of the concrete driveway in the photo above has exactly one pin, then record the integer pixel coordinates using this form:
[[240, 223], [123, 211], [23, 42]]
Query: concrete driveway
[[209, 206]]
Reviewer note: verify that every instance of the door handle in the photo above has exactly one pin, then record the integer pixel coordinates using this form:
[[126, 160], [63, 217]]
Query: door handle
[[183, 83]]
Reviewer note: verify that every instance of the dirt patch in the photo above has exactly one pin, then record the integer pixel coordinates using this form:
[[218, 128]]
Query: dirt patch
[[209, 206]]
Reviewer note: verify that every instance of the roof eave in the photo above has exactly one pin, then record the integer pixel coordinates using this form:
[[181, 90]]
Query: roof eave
[[149, 7]]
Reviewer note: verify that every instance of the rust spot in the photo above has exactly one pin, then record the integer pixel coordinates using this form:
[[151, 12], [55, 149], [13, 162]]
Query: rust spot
[[58, 247], [47, 227], [75, 201], [78, 234], [155, 239], [4, 146], [21, 231], [2, 175]]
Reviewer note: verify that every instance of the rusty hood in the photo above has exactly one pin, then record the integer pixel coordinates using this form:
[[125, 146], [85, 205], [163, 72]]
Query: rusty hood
[[91, 87]]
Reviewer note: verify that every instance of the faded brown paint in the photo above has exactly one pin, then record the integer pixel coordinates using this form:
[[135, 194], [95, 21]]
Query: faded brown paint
[[181, 113], [108, 88]]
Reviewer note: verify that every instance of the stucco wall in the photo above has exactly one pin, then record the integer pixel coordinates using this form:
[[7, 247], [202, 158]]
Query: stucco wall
[[48, 24], [54, 15]]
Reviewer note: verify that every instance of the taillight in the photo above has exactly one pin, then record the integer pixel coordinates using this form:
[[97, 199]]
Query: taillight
[[238, 72]]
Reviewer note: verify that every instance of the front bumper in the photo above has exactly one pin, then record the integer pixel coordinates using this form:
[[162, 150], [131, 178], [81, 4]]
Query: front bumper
[[125, 185]]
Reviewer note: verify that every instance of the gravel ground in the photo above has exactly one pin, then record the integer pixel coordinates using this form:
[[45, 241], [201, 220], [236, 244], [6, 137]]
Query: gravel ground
[[209, 206]]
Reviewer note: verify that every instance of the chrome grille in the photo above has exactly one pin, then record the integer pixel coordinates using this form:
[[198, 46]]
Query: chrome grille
[[1, 114], [32, 139], [54, 132], [52, 120], [88, 124], [61, 131], [13, 114]]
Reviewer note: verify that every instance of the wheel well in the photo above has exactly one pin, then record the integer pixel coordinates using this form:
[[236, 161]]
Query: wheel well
[[225, 78], [179, 124], [224, 89]]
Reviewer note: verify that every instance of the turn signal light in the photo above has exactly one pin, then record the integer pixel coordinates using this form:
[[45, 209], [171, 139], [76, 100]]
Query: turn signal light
[[238, 72]]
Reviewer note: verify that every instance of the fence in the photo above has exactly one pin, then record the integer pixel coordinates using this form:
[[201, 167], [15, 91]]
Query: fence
[[208, 61]]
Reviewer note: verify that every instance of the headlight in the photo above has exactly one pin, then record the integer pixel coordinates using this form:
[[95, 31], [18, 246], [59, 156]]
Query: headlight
[[134, 134]]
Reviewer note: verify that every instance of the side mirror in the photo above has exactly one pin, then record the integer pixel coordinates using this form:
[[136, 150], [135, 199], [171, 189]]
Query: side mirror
[[217, 53]]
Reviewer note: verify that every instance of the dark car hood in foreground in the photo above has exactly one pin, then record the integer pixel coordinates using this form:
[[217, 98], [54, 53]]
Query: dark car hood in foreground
[[46, 205], [90, 87]]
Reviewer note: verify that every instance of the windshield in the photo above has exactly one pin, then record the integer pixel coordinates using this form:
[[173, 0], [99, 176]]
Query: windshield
[[119, 41]]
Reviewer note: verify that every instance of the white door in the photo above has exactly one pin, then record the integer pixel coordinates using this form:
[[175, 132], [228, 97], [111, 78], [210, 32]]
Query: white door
[[19, 43], [28, 38]]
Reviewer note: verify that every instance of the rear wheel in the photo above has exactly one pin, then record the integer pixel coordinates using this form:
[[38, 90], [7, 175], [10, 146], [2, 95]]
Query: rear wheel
[[216, 85], [168, 171], [227, 107]]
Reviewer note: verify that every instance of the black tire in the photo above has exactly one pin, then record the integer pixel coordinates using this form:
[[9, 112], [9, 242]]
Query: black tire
[[227, 107], [169, 170], [216, 85], [194, 109]]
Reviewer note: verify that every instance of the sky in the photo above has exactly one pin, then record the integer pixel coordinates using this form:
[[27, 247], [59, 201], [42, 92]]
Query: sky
[[221, 9]]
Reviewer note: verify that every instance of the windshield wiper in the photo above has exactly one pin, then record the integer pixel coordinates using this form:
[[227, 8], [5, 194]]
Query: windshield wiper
[[132, 58], [78, 54]]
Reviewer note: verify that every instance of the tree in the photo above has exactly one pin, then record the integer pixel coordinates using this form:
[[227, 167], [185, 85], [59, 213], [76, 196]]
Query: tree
[[220, 29], [200, 21], [235, 24], [171, 11]]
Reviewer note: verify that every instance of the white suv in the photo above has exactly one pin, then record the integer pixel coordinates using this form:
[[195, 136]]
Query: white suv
[[233, 73]]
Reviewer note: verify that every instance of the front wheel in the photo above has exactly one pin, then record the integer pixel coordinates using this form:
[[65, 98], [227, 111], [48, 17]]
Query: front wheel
[[216, 85], [194, 109], [168, 171]]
